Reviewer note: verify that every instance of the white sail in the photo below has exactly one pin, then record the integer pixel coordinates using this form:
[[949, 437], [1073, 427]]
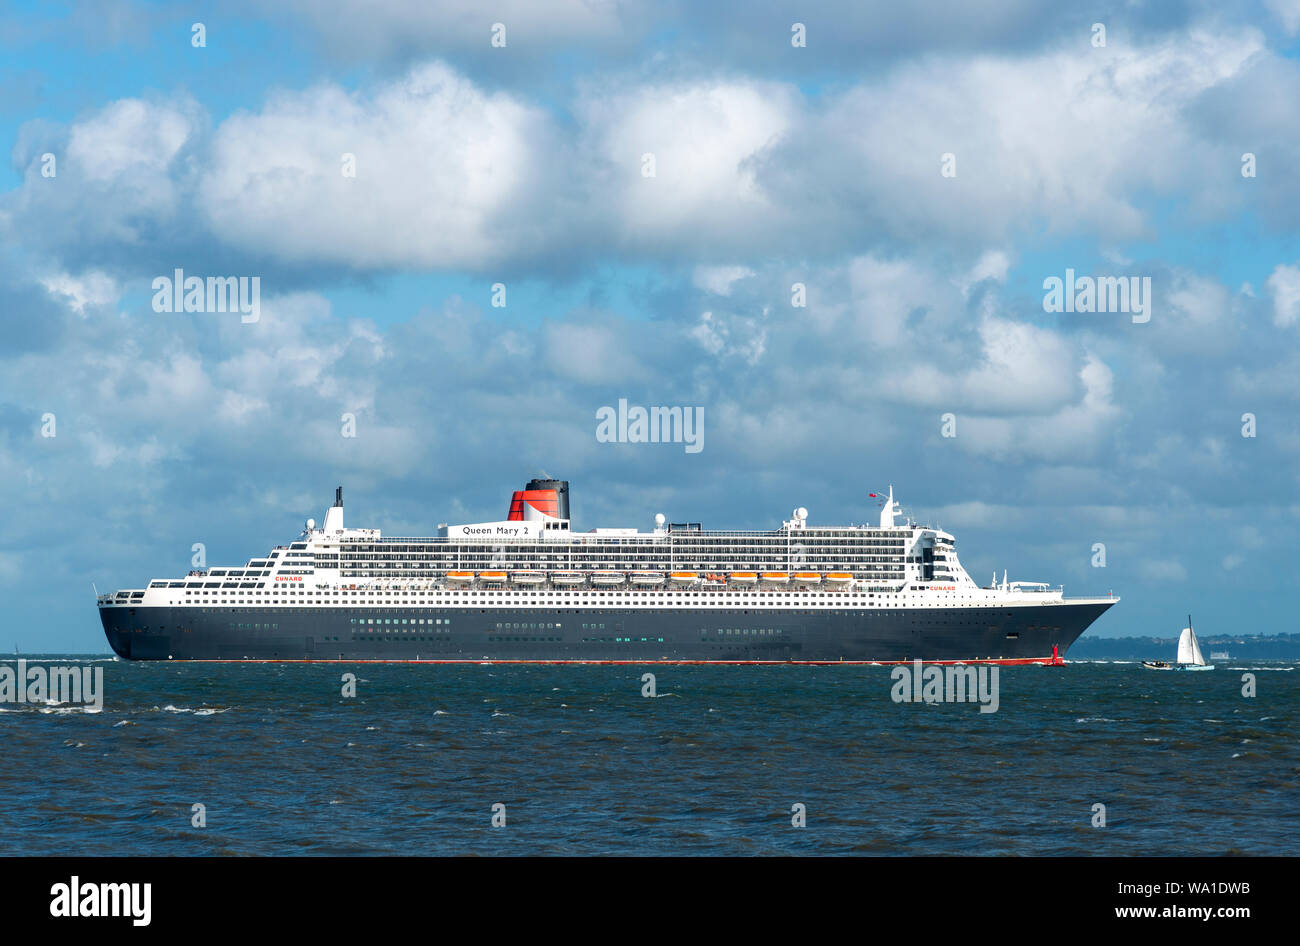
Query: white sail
[[1189, 651]]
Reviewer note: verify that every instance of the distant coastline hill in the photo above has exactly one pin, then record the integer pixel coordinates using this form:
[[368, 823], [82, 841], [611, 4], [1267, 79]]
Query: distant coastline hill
[[1239, 646]]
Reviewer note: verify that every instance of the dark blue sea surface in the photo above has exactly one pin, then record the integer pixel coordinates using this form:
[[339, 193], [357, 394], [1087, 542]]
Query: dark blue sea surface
[[285, 764]]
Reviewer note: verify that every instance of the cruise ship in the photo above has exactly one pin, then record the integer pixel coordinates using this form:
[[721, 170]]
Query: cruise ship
[[530, 588]]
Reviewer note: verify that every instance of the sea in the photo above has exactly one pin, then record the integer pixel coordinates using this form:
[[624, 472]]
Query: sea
[[1094, 758]]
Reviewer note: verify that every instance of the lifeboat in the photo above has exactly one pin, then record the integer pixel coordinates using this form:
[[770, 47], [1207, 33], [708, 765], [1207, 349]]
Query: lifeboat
[[567, 578], [685, 578], [460, 576], [528, 578], [647, 578], [607, 578], [776, 578], [839, 578], [492, 576], [807, 578], [744, 578]]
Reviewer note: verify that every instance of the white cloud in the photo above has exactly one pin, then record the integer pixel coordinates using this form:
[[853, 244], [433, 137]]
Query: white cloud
[[1288, 11], [443, 174], [719, 279], [91, 288], [1044, 143], [1075, 430], [450, 174], [705, 139], [1159, 570], [388, 27], [129, 138], [993, 264], [1284, 285], [731, 335], [590, 353], [1025, 368]]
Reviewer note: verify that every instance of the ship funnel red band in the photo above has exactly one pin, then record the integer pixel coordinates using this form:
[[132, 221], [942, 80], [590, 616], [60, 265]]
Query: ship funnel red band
[[548, 497]]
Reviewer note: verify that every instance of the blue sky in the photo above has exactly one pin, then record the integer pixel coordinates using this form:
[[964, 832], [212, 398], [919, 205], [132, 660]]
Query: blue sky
[[774, 165]]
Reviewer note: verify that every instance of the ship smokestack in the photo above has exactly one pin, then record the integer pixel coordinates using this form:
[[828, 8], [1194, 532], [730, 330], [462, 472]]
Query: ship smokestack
[[334, 515], [561, 488], [544, 497]]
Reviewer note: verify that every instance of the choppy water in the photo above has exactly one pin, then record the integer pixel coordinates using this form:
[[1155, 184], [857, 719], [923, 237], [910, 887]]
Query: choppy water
[[585, 764]]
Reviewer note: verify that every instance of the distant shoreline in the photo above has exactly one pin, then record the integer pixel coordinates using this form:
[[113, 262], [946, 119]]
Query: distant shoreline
[[1254, 646]]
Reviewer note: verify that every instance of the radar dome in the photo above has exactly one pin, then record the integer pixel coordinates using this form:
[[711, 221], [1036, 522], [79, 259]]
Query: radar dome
[[660, 519], [311, 524], [801, 512]]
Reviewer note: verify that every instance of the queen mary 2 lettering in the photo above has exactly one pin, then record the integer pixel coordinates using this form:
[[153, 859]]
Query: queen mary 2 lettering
[[532, 589]]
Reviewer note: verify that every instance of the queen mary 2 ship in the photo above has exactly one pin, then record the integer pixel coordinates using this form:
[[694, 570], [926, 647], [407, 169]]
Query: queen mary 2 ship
[[530, 588]]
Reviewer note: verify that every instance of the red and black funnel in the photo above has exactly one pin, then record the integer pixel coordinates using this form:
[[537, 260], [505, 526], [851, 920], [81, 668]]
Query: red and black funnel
[[547, 497]]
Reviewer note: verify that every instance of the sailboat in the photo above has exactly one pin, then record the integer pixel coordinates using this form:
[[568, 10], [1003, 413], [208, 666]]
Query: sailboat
[[1189, 653]]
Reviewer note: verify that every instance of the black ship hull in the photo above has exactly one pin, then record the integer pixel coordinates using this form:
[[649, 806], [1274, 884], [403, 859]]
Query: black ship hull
[[1005, 634]]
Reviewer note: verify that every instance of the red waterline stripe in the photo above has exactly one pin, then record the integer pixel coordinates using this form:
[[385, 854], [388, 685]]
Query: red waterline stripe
[[999, 661]]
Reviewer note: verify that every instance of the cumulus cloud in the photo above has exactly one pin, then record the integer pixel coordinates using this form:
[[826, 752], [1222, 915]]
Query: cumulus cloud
[[1284, 286], [1075, 430], [1057, 140], [449, 174], [678, 165], [122, 176], [441, 171], [718, 279], [92, 288]]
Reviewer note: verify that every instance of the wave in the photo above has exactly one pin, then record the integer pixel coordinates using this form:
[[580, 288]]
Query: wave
[[202, 711]]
